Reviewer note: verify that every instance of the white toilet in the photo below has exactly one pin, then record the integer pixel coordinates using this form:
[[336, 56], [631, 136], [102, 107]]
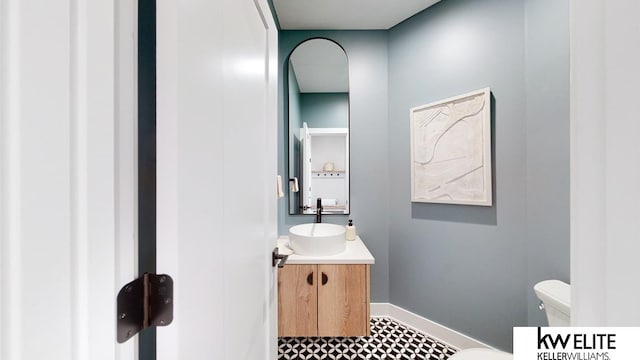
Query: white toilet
[[554, 298]]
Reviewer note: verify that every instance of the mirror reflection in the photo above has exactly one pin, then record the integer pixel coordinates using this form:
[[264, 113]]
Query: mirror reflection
[[318, 114]]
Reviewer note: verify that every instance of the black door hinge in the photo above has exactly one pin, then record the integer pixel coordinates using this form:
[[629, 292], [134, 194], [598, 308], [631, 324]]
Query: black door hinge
[[144, 302]]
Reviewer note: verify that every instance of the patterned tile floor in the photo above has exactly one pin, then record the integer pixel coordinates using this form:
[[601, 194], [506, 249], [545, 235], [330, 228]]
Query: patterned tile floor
[[389, 340]]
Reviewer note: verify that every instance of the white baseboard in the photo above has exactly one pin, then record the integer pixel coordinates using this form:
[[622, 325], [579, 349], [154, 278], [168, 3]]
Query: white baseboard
[[431, 328]]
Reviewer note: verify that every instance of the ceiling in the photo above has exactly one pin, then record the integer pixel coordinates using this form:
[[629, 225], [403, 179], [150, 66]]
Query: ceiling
[[346, 14]]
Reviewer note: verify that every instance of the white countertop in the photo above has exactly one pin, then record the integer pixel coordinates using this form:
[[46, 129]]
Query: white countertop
[[355, 253]]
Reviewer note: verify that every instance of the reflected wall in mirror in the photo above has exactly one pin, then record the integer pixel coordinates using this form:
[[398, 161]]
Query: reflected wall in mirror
[[318, 115]]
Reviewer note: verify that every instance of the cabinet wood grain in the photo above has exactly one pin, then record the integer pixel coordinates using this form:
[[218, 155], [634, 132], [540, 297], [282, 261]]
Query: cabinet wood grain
[[343, 302], [297, 300]]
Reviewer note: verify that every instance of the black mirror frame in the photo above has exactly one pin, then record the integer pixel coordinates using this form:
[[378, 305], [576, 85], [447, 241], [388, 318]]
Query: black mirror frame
[[285, 86]]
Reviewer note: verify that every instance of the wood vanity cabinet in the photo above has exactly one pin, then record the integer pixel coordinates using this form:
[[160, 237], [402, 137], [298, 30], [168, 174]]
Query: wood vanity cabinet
[[323, 300]]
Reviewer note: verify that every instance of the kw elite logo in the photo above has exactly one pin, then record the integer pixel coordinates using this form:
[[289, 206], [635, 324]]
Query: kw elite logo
[[575, 343], [575, 346]]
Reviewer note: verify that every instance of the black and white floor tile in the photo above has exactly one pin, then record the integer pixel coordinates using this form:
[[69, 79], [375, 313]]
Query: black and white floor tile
[[389, 340]]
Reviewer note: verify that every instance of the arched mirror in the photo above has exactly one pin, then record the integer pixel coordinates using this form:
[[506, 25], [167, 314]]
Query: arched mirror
[[318, 116]]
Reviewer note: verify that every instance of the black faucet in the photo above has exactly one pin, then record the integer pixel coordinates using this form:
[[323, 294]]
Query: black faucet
[[319, 210]]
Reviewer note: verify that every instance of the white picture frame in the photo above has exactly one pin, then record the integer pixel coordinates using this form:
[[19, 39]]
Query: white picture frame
[[451, 150]]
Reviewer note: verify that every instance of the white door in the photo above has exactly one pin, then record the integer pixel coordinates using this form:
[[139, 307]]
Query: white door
[[216, 177], [66, 191], [605, 171]]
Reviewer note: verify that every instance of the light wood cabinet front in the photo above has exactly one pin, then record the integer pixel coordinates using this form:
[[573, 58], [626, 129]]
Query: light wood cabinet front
[[297, 300], [343, 301], [323, 300]]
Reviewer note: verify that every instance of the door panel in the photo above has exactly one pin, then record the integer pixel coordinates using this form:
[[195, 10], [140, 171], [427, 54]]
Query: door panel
[[342, 300], [298, 300], [216, 177], [61, 197]]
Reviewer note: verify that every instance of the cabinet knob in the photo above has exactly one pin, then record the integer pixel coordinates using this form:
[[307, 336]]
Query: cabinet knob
[[324, 279], [310, 279]]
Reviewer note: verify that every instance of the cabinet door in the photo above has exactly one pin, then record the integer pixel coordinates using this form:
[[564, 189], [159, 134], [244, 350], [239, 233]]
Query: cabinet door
[[343, 300], [298, 300]]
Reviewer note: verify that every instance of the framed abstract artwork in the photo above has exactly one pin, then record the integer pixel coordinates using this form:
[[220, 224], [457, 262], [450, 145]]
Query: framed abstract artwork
[[451, 150]]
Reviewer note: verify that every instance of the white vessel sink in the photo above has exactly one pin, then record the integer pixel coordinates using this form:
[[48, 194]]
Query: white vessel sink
[[317, 239]]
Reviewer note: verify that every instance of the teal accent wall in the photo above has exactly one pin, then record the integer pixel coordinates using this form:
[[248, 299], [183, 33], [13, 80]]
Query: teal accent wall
[[458, 265], [472, 268], [294, 102], [547, 116], [325, 110], [295, 123]]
